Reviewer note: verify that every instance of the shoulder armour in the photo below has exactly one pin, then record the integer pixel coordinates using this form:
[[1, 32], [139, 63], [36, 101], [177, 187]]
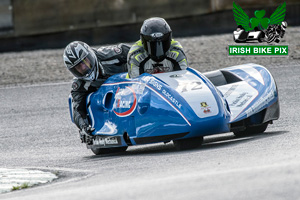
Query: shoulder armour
[[76, 84], [136, 48], [176, 51], [175, 43], [117, 52], [137, 53]]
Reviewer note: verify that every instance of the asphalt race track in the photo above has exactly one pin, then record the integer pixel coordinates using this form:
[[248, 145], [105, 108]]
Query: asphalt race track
[[36, 133]]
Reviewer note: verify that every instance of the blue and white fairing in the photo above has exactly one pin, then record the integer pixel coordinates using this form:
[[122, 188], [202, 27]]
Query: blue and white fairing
[[181, 104], [255, 92], [158, 108]]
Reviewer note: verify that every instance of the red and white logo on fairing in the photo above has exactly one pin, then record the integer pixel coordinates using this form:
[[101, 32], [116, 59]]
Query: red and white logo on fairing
[[126, 102]]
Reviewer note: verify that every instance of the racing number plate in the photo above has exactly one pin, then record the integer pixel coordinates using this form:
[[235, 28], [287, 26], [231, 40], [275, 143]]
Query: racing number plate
[[111, 140], [103, 141]]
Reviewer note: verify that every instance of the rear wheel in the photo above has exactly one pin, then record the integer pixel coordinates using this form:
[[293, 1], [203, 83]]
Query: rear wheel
[[189, 143], [101, 151], [252, 130]]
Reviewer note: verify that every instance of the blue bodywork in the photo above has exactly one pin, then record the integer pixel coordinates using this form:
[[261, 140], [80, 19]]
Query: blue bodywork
[[179, 105]]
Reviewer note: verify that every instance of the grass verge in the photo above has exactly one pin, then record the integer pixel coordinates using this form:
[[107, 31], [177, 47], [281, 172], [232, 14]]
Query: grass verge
[[19, 187]]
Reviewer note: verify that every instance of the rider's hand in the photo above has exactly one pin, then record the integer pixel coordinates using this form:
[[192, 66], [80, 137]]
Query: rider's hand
[[86, 135], [89, 129]]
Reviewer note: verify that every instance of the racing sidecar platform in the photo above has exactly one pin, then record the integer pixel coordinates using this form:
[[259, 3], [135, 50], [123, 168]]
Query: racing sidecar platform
[[182, 106], [240, 35]]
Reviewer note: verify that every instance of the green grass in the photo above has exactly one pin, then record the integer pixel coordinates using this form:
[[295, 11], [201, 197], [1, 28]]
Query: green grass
[[56, 173], [19, 187]]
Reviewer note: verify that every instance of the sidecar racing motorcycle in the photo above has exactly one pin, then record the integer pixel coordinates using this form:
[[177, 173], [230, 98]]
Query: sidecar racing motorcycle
[[181, 106]]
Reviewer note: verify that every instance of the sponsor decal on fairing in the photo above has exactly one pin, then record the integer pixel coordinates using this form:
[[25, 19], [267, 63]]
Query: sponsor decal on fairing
[[126, 102]]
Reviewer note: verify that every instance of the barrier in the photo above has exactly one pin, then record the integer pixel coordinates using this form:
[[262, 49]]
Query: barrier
[[40, 17], [25, 23]]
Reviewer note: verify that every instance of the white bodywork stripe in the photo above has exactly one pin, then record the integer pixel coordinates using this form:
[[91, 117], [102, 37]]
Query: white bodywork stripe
[[249, 69], [238, 95], [187, 121], [125, 82], [90, 110]]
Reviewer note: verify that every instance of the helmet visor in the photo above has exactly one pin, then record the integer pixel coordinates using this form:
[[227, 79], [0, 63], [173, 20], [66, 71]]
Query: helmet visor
[[157, 47], [83, 69]]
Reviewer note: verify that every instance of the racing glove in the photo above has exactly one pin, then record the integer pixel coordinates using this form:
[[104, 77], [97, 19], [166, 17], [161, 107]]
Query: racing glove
[[86, 135]]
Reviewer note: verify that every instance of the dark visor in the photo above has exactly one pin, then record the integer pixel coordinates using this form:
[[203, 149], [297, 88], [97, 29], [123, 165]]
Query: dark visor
[[157, 47], [83, 68]]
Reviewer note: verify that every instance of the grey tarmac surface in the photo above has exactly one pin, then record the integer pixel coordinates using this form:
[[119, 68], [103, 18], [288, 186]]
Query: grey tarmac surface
[[36, 133]]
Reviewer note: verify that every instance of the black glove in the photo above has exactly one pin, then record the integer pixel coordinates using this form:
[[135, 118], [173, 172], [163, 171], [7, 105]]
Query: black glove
[[86, 135]]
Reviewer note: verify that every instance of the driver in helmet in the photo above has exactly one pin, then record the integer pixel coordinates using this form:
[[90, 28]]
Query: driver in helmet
[[156, 51], [91, 67]]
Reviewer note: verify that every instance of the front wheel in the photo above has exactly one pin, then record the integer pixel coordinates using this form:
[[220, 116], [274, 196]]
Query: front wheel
[[271, 37], [101, 151], [189, 143], [252, 130]]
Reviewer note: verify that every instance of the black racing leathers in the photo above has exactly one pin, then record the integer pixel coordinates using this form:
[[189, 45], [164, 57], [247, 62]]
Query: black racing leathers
[[113, 60]]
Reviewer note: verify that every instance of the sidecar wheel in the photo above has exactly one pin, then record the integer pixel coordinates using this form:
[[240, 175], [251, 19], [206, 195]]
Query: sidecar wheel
[[189, 143], [101, 151], [252, 130]]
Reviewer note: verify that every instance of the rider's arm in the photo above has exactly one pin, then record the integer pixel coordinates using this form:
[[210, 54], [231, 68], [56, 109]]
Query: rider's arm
[[133, 69], [177, 54], [114, 54], [113, 59], [79, 94], [135, 58], [183, 64]]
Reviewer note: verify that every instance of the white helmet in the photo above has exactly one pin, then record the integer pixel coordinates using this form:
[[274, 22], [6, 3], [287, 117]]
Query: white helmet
[[283, 25], [81, 61]]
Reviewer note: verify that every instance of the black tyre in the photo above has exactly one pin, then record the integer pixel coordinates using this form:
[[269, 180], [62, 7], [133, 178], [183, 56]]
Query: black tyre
[[101, 151], [261, 37], [277, 40], [252, 130], [189, 143], [271, 37]]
